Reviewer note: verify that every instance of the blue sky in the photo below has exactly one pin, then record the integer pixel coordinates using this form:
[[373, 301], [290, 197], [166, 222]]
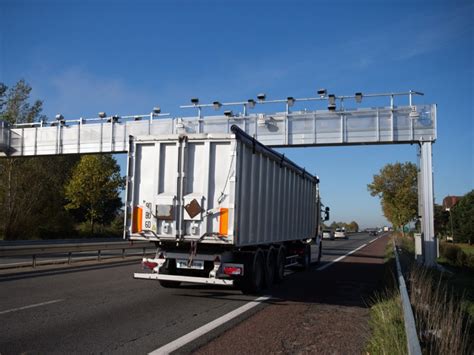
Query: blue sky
[[82, 57]]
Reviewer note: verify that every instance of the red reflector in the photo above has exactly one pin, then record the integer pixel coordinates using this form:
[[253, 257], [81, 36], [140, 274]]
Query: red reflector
[[149, 264], [232, 270]]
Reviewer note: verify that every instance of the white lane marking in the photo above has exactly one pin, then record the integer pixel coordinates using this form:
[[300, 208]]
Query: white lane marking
[[30, 306], [373, 240], [339, 258], [185, 339], [346, 255]]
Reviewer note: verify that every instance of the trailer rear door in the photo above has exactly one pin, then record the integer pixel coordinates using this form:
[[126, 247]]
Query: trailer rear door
[[182, 189]]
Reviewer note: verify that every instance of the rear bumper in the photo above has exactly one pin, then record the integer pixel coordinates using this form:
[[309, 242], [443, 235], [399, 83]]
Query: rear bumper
[[190, 279]]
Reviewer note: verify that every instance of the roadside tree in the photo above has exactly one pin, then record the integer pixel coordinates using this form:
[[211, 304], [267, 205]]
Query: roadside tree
[[463, 219], [441, 221], [94, 189], [31, 194], [396, 186], [353, 226]]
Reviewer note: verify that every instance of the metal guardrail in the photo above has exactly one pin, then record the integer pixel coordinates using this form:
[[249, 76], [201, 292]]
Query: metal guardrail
[[413, 343], [50, 249]]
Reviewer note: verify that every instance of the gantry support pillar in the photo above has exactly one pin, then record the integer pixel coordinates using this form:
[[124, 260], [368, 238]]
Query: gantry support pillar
[[425, 194]]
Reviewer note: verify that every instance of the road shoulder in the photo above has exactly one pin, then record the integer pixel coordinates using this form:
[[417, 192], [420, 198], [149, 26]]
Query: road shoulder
[[313, 312]]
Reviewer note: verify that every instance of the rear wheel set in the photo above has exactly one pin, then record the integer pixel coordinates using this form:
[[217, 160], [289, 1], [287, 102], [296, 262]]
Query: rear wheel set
[[306, 257], [253, 280], [262, 269], [280, 264]]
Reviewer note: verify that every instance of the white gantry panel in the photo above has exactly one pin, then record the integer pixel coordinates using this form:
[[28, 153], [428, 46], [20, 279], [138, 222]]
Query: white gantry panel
[[380, 125]]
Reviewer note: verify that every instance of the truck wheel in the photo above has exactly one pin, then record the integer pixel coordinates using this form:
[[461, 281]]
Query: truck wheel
[[165, 270], [270, 262], [306, 257], [320, 252], [254, 277], [280, 264]]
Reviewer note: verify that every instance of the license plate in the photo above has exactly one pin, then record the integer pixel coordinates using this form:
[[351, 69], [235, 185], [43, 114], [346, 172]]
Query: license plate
[[195, 265]]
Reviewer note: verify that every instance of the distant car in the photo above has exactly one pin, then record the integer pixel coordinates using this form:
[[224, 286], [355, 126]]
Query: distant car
[[373, 232], [340, 233], [327, 234]]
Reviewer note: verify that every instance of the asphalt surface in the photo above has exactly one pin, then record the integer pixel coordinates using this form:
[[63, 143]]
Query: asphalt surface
[[102, 309]]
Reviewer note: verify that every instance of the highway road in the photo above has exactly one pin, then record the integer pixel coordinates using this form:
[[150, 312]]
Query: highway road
[[102, 309]]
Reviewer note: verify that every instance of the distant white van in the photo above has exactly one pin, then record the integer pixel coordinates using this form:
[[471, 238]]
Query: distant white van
[[340, 233]]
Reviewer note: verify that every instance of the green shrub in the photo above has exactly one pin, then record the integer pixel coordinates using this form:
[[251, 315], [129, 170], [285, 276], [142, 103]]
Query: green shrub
[[450, 252], [470, 261], [456, 256], [461, 258]]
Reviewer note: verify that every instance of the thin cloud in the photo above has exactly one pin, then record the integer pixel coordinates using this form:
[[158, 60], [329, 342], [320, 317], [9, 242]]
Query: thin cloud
[[437, 32], [422, 35]]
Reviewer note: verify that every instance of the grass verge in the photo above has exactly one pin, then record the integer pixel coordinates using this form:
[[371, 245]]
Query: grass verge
[[468, 249], [387, 325], [386, 314], [442, 322], [443, 304]]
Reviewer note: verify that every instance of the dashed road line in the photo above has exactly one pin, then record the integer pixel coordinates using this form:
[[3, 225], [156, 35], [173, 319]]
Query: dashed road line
[[30, 306]]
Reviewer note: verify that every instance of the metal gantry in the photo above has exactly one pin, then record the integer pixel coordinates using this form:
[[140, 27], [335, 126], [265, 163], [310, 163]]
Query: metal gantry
[[338, 125]]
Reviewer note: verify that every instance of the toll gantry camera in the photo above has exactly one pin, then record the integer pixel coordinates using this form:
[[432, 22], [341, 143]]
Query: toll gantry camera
[[322, 92], [217, 105], [331, 102]]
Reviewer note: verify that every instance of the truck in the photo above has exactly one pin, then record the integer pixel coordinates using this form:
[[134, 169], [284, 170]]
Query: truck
[[221, 209]]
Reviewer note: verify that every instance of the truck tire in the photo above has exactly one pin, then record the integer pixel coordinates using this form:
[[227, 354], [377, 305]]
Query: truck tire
[[320, 252], [165, 270], [270, 262], [280, 264], [306, 257], [254, 276]]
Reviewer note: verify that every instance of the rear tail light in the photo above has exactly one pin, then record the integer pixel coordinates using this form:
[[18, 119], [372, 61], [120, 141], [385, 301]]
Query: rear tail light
[[149, 265], [232, 270]]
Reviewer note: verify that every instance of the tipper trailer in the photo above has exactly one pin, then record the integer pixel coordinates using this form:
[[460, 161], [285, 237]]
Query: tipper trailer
[[221, 208]]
